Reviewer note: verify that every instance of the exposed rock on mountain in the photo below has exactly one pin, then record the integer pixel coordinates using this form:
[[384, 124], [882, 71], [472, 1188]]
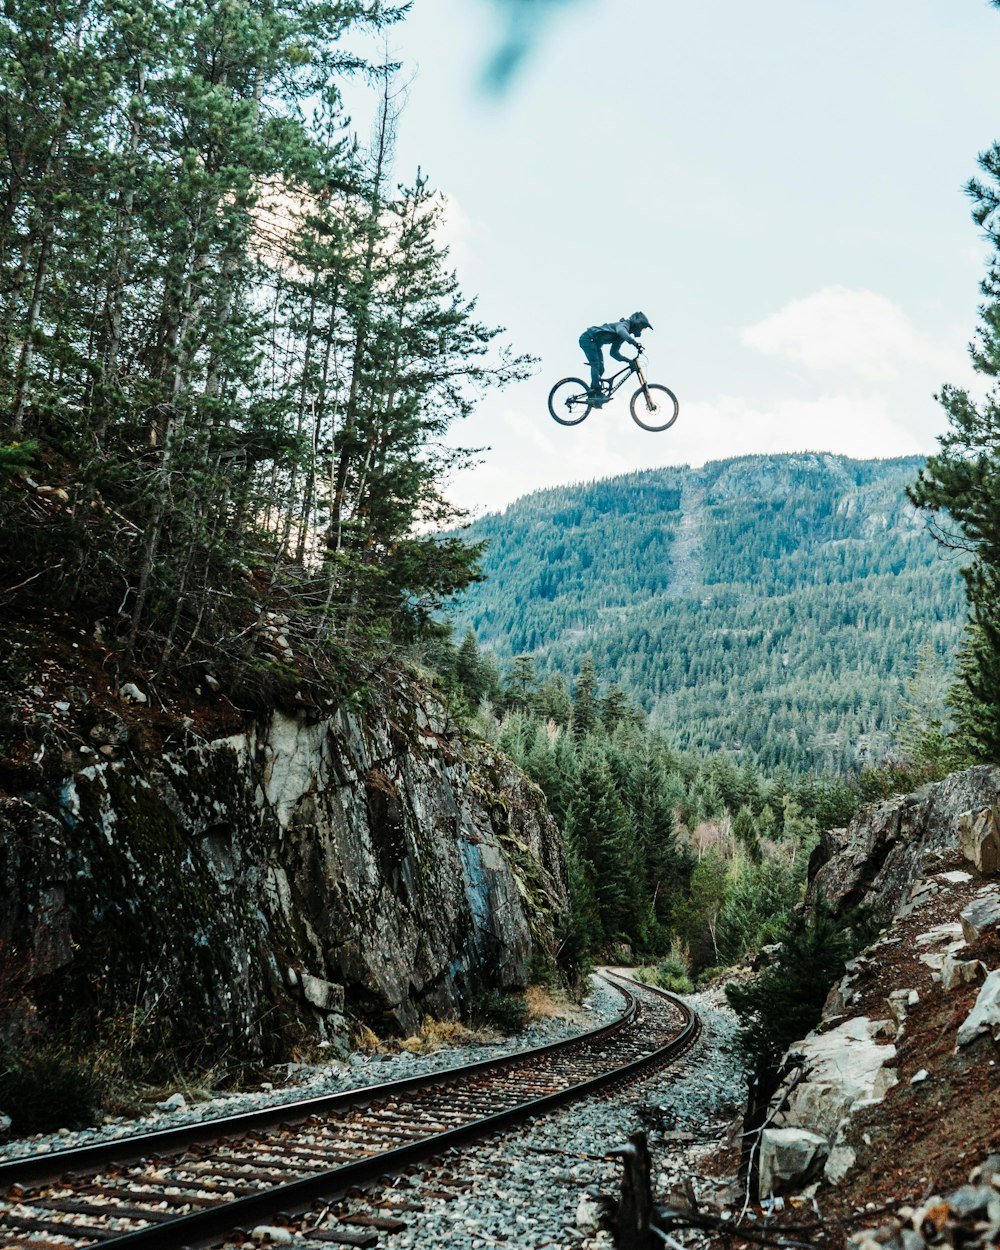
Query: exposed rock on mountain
[[877, 860], [241, 894]]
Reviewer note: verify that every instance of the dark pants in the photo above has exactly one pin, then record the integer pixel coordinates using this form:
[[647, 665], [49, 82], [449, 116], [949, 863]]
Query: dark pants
[[595, 357]]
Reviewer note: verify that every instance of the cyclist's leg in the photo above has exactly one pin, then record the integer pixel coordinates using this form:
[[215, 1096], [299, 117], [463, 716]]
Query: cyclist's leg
[[595, 358]]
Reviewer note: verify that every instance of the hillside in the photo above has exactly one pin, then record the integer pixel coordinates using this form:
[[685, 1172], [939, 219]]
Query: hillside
[[775, 605]]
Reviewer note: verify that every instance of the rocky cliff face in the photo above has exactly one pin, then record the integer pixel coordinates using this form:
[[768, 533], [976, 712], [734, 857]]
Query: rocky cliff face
[[241, 895], [896, 1088], [875, 861]]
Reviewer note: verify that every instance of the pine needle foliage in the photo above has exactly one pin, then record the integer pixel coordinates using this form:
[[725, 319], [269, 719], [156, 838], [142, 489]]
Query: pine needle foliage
[[230, 335], [961, 485]]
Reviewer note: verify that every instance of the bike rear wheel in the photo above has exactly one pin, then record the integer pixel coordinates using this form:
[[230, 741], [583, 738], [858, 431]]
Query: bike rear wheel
[[654, 407], [568, 401]]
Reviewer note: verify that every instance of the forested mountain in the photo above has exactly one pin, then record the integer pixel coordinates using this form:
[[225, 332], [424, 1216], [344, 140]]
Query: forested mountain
[[774, 605]]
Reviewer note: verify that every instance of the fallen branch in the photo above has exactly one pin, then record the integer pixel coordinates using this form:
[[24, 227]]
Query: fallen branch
[[52, 567]]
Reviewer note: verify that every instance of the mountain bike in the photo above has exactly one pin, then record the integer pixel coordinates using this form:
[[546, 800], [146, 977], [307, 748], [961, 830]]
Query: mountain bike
[[654, 407]]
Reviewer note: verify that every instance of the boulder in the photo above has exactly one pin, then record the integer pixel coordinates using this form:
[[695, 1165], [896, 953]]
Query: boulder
[[980, 839], [982, 914], [789, 1159], [900, 1001], [956, 972], [590, 1212], [950, 932], [843, 1066], [842, 1159], [840, 998], [884, 1030], [956, 877], [985, 1015], [323, 995]]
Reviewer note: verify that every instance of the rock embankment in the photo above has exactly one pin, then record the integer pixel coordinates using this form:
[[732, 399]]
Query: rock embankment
[[969, 1216], [896, 1090], [242, 896]]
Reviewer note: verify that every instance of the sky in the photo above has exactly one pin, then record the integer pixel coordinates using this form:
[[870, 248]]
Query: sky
[[779, 186]]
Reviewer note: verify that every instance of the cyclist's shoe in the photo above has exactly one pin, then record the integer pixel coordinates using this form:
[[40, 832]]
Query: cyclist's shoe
[[596, 398]]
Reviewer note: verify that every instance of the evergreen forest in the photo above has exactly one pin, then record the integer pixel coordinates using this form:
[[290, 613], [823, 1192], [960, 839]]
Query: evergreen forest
[[780, 608], [232, 346], [231, 339]]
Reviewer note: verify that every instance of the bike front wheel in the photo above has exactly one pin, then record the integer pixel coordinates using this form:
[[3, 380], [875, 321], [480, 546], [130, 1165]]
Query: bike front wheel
[[654, 407], [569, 402]]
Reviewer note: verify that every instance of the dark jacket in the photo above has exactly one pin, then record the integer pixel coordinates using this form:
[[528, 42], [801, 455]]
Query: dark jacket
[[611, 332]]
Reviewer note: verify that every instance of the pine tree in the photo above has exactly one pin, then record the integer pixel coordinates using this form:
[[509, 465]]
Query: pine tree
[[746, 834], [226, 321], [698, 916], [585, 709], [520, 683], [469, 669], [552, 701], [651, 797], [601, 832], [962, 482]]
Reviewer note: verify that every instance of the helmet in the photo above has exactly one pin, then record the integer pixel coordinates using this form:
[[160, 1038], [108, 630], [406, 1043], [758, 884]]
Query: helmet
[[638, 321]]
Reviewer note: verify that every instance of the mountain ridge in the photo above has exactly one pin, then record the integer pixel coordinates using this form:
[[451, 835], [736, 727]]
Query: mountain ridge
[[774, 604]]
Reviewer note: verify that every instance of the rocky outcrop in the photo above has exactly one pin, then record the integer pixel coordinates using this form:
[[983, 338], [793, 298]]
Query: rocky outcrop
[[877, 859], [915, 865], [968, 1216], [834, 1072], [240, 896], [789, 1159], [985, 1014]]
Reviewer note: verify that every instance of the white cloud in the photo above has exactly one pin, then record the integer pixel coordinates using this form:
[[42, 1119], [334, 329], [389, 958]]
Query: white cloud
[[852, 425], [455, 229], [531, 453], [860, 331]]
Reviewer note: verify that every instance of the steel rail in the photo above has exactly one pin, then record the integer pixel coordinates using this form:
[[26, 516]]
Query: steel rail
[[161, 1141], [199, 1226]]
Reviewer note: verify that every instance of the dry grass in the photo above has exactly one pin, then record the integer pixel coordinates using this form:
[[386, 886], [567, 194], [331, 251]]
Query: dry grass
[[364, 1039], [434, 1035], [546, 1004], [438, 1035]]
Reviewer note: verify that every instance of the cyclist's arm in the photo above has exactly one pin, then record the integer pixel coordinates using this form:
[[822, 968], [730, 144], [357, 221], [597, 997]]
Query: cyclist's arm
[[621, 329]]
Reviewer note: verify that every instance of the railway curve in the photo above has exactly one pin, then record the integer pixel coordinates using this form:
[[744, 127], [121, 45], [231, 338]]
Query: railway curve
[[194, 1183]]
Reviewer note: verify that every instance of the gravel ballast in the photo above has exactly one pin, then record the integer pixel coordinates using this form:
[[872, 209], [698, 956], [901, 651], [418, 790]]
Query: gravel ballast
[[601, 1006], [530, 1184], [530, 1187]]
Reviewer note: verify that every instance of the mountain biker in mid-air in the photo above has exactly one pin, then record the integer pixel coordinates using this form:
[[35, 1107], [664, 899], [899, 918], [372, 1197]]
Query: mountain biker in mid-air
[[615, 333]]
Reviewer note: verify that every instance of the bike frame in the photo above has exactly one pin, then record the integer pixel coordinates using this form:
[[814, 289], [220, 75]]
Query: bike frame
[[617, 380]]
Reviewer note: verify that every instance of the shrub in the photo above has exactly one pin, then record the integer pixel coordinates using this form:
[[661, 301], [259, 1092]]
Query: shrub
[[671, 974], [507, 1013], [46, 1091]]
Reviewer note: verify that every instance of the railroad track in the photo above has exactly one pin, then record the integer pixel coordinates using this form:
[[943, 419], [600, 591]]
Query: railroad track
[[194, 1184]]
